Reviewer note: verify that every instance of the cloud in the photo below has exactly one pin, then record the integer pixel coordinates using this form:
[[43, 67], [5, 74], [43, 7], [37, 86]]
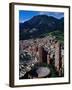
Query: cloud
[[54, 14], [41, 13]]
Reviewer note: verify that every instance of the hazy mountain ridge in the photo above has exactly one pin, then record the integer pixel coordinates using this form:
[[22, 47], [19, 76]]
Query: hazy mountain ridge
[[39, 25]]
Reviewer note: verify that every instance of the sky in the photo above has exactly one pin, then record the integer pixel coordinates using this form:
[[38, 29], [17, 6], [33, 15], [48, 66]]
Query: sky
[[26, 15]]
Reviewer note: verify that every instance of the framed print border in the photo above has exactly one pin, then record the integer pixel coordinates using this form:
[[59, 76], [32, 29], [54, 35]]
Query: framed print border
[[12, 45]]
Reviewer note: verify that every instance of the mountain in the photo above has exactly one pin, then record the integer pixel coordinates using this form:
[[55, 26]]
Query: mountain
[[39, 25]]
